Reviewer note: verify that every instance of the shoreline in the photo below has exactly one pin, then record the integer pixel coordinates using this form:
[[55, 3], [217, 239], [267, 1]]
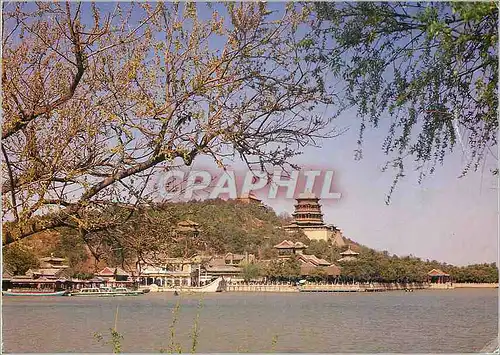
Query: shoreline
[[334, 288]]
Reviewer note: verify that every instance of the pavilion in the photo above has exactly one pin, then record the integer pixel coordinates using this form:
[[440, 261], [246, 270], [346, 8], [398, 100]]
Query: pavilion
[[348, 255], [437, 276]]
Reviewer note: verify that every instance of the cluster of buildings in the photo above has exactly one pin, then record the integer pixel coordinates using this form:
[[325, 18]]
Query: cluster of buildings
[[200, 270], [54, 273]]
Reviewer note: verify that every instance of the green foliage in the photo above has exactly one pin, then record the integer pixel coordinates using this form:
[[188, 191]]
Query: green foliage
[[324, 250], [380, 267], [278, 269], [73, 249], [115, 340], [250, 271], [274, 342], [432, 66], [19, 259], [225, 226], [174, 346], [487, 273], [195, 334]]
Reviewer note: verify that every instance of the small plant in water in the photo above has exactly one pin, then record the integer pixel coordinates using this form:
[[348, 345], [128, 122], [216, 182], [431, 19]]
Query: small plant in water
[[274, 342], [115, 338], [173, 347], [195, 334]]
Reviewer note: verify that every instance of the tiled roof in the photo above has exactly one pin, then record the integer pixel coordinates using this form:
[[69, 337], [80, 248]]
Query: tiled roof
[[249, 196], [107, 271], [437, 272], [306, 268], [314, 260], [307, 195], [188, 223], [286, 244], [51, 272], [349, 252], [332, 270], [52, 258], [235, 256], [347, 258]]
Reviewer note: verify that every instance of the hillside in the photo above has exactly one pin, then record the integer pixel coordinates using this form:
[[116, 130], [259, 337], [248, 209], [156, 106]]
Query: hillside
[[225, 226]]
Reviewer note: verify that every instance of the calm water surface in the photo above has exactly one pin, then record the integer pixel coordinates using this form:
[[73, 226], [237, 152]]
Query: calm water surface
[[422, 321]]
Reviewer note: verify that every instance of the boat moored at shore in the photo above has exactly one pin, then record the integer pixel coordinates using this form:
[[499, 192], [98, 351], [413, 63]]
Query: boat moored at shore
[[38, 293], [105, 292]]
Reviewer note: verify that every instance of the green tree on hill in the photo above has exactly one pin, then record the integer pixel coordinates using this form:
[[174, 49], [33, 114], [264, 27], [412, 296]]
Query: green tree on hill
[[18, 259], [250, 271]]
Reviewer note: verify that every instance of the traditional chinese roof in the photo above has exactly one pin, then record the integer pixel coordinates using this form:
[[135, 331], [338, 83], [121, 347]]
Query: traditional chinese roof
[[7, 274], [348, 252], [236, 257], [286, 244], [313, 259], [308, 269], [332, 270], [347, 258], [188, 226], [188, 223], [437, 272], [51, 258], [107, 271], [36, 281], [307, 196], [249, 196], [46, 272]]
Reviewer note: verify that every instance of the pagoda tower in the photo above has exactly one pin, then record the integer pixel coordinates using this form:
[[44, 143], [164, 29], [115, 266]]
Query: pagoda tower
[[308, 211], [309, 218]]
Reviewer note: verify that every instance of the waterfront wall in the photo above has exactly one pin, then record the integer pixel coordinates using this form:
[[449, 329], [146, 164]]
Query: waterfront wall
[[374, 287], [475, 285], [261, 288]]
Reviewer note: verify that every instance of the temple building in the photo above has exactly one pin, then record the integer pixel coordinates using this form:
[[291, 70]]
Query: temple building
[[251, 199], [309, 264], [438, 276], [309, 219], [51, 267], [170, 272], [287, 248], [348, 255], [228, 266], [188, 227]]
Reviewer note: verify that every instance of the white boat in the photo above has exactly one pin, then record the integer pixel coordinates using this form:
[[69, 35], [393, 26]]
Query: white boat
[[105, 292], [123, 291], [218, 285], [93, 291], [33, 293]]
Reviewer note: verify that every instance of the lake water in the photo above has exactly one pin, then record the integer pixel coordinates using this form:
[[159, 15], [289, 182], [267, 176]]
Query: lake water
[[434, 321]]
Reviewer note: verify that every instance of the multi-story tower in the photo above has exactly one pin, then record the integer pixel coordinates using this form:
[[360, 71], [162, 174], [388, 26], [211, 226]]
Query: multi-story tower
[[308, 211], [309, 218]]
